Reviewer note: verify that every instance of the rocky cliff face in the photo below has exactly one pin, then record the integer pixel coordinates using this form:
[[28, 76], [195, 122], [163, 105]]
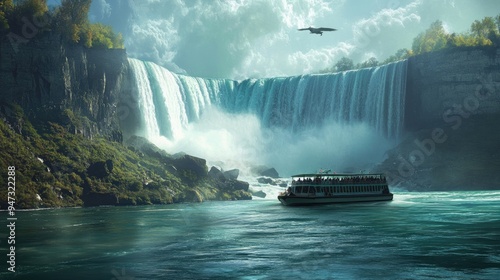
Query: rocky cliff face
[[452, 119], [52, 80], [446, 85]]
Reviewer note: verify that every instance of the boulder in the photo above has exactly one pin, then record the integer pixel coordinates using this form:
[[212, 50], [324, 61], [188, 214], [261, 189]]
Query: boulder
[[232, 174], [97, 199], [240, 185], [215, 173], [265, 171], [242, 195], [100, 169], [142, 144], [259, 193], [234, 185], [264, 180], [271, 172], [190, 163]]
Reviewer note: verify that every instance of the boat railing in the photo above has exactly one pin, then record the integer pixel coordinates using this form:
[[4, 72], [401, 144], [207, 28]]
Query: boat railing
[[337, 183]]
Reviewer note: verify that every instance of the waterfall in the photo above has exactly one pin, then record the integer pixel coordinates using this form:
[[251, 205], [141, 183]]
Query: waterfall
[[343, 121], [169, 102], [375, 96]]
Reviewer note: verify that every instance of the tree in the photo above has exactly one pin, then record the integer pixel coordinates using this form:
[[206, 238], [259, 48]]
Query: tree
[[403, 53], [24, 10], [432, 39], [461, 40], [497, 21], [72, 18], [399, 55], [484, 28], [371, 62], [6, 7], [344, 64]]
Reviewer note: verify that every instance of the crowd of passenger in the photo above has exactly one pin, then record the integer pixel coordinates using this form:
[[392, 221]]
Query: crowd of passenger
[[341, 180]]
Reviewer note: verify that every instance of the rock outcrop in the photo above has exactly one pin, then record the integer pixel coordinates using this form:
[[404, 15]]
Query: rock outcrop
[[452, 110], [100, 169], [454, 83], [265, 171], [53, 80]]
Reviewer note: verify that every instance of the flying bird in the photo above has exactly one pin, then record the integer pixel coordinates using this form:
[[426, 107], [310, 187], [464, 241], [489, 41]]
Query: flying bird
[[318, 30]]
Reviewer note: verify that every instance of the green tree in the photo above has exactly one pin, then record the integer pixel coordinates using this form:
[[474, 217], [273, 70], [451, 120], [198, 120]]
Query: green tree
[[371, 62], [21, 12], [6, 7], [462, 40], [101, 36], [483, 28], [72, 18], [399, 55], [344, 64], [434, 38], [497, 22], [72, 22]]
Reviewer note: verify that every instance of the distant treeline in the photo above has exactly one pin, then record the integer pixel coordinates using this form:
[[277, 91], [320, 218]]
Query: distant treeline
[[482, 33], [20, 20]]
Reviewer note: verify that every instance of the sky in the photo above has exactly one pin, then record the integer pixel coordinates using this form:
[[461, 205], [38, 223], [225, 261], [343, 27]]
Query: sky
[[240, 39]]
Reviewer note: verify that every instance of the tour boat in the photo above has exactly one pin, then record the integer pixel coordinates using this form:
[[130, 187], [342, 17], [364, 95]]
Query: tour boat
[[308, 189]]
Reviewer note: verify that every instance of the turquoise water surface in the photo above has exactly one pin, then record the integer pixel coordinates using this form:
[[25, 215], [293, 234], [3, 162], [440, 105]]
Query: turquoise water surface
[[417, 236]]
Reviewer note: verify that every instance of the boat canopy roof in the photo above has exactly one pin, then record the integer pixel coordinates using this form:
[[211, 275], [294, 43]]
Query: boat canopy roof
[[337, 175]]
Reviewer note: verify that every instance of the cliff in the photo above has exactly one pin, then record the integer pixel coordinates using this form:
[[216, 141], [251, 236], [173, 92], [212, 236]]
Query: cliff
[[63, 108], [452, 116], [452, 82], [52, 80]]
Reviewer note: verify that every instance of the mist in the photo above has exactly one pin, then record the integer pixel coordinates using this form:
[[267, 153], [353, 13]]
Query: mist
[[241, 141]]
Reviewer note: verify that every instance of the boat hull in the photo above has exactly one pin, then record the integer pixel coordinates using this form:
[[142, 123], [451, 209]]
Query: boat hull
[[302, 200]]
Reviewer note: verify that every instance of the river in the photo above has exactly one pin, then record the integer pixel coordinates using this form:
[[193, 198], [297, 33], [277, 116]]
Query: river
[[419, 235]]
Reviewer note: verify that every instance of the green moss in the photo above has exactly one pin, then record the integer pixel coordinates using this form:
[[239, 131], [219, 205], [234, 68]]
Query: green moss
[[52, 163]]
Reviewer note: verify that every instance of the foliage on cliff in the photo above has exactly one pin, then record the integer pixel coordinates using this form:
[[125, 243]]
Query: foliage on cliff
[[485, 32], [70, 19], [56, 168]]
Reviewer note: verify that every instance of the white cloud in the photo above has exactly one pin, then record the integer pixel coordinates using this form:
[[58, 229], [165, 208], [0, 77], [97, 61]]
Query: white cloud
[[259, 38], [386, 27]]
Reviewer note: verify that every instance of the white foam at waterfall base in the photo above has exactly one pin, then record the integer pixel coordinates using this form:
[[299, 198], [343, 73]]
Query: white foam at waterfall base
[[240, 141], [339, 147], [297, 124], [234, 139]]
